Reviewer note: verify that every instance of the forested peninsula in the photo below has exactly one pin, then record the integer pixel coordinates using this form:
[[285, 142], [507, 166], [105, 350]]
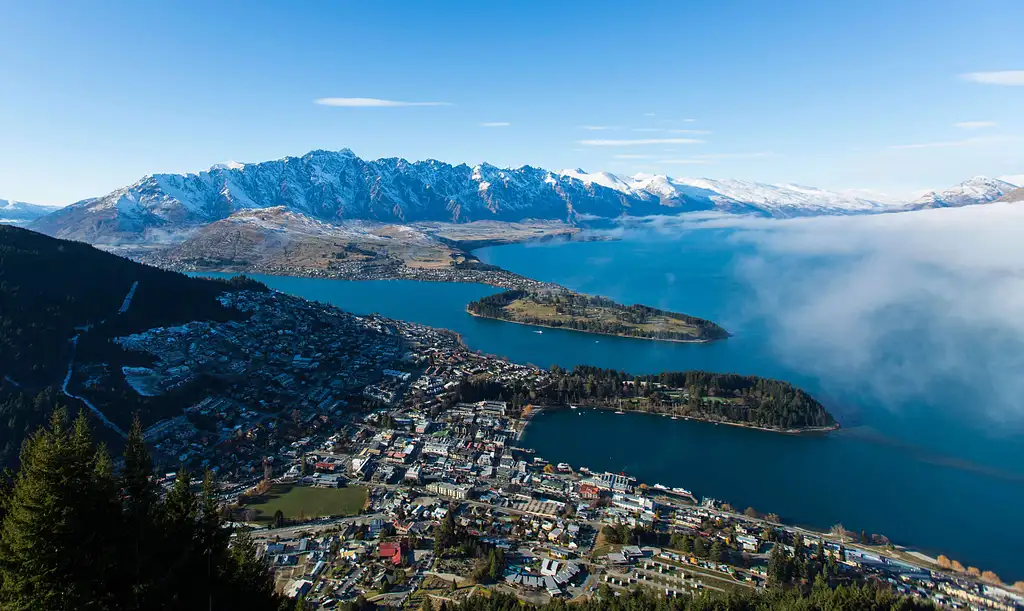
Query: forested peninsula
[[592, 314], [728, 398]]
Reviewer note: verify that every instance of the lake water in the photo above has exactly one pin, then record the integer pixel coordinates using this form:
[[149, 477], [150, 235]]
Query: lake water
[[924, 468]]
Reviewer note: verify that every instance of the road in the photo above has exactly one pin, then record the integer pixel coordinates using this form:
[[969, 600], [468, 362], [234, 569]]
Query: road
[[290, 532], [64, 388]]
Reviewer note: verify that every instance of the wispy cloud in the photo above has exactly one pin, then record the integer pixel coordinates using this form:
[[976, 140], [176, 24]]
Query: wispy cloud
[[662, 130], [942, 144], [598, 128], [648, 114], [755, 155], [495, 124], [373, 103], [705, 158], [633, 156], [974, 124], [689, 120], [999, 77], [640, 142]]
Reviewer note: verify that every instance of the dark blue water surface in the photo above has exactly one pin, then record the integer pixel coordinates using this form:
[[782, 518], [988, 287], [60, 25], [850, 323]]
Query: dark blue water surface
[[926, 469]]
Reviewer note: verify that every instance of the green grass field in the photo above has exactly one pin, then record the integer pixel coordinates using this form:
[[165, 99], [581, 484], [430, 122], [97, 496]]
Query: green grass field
[[298, 502]]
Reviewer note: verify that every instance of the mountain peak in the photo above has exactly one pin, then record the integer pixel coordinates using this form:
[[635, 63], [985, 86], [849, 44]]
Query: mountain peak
[[977, 190]]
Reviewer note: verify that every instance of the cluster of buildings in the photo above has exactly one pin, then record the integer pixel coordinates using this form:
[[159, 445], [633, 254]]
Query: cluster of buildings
[[316, 397], [549, 520]]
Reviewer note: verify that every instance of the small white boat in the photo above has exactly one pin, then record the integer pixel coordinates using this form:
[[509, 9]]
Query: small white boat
[[538, 331], [620, 412], [674, 418], [571, 406]]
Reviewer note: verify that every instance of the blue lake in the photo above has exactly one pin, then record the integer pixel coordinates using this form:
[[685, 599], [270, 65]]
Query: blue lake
[[923, 467]]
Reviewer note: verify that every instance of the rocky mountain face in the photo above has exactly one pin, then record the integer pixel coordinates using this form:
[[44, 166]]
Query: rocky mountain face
[[333, 187], [18, 213]]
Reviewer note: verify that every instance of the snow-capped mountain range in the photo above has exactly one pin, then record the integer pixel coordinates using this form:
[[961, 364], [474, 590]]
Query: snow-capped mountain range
[[337, 186], [16, 213]]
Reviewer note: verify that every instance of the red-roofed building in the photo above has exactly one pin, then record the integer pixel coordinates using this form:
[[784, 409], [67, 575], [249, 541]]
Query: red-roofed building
[[397, 551]]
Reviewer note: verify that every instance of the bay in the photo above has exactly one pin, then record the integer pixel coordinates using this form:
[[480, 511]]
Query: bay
[[922, 468]]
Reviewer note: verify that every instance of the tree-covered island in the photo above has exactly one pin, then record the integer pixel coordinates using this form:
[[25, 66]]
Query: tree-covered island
[[593, 314]]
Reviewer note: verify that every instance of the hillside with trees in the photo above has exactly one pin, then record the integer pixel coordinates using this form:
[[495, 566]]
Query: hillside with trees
[[720, 397], [592, 314], [52, 291], [76, 535]]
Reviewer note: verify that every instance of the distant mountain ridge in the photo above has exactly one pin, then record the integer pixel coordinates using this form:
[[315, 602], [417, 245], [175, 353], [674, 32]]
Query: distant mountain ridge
[[980, 189], [16, 213], [337, 186]]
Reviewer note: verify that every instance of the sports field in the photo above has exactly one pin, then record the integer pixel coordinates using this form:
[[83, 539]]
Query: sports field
[[303, 502]]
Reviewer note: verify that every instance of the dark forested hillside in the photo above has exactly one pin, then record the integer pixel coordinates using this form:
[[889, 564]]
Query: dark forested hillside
[[53, 290]]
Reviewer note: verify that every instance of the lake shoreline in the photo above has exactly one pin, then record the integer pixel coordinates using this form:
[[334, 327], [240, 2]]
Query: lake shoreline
[[808, 431]]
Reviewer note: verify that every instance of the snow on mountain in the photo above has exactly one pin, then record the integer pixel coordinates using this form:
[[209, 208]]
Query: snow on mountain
[[337, 186], [781, 200], [16, 213], [978, 190], [605, 179], [334, 187]]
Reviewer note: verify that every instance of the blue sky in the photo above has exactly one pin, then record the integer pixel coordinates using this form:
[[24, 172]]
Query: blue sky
[[840, 95]]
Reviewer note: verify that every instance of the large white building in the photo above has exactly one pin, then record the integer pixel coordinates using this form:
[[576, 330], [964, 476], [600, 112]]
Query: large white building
[[446, 489]]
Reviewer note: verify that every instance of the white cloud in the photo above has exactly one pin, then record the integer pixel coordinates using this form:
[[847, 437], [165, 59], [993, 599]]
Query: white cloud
[[689, 120], [933, 296], [648, 114], [755, 155], [640, 142], [948, 143], [373, 103], [597, 128], [712, 157], [670, 131], [974, 124], [632, 156], [1000, 77], [495, 124]]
